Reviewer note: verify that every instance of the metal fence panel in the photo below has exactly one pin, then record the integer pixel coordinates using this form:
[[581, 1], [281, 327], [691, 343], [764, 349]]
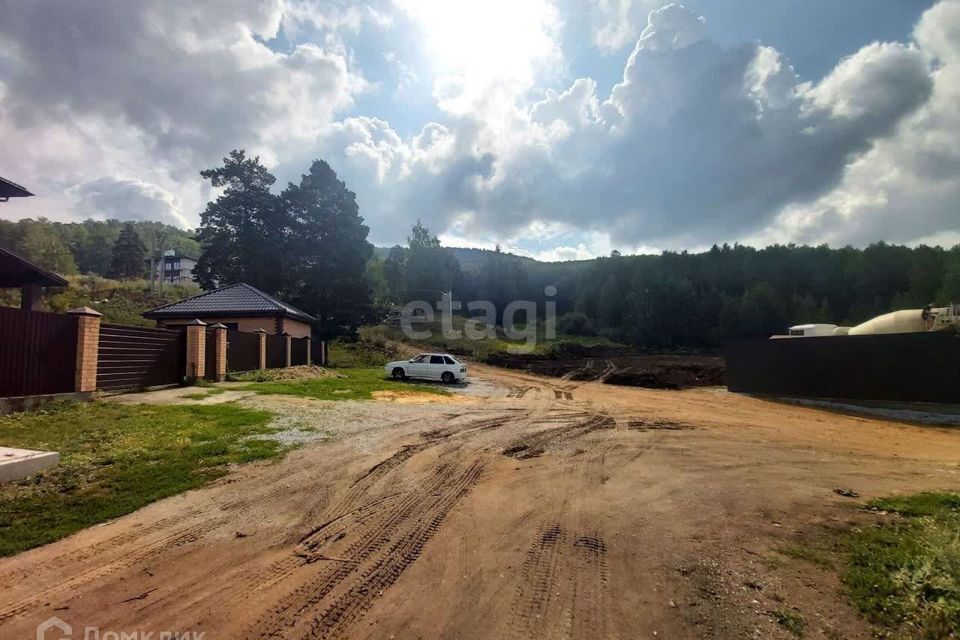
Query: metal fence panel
[[38, 352], [243, 351], [298, 351], [276, 352], [917, 367], [136, 357]]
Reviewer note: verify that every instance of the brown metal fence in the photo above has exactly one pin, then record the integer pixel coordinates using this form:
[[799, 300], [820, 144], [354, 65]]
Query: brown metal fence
[[137, 357], [243, 351], [276, 352], [298, 351], [38, 352]]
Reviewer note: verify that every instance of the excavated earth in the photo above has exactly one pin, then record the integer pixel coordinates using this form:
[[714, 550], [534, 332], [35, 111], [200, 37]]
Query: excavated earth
[[656, 371], [530, 508]]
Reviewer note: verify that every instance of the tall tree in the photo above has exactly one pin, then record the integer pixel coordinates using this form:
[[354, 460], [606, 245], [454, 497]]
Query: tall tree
[[421, 238], [128, 254], [44, 245], [326, 251], [394, 272], [243, 231]]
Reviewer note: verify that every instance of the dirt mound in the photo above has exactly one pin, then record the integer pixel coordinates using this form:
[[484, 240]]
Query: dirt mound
[[299, 372], [661, 371]]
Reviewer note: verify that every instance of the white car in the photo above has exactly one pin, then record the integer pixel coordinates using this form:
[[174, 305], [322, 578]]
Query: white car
[[429, 366]]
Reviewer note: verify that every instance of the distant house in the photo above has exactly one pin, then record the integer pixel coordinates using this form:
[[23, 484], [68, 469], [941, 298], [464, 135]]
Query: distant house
[[239, 307], [173, 267]]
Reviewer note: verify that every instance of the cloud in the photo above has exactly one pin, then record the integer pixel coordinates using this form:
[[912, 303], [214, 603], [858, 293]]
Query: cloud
[[698, 143], [129, 199], [905, 188], [113, 108], [157, 90]]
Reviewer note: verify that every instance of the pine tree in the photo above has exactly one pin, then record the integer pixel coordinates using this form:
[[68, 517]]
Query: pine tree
[[326, 252], [128, 256], [242, 232]]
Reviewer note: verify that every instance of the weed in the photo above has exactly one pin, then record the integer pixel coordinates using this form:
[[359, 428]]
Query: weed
[[790, 620], [807, 553], [904, 574]]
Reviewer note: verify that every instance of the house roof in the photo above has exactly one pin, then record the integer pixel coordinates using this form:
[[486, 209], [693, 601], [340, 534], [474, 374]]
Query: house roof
[[237, 300], [16, 272], [12, 190]]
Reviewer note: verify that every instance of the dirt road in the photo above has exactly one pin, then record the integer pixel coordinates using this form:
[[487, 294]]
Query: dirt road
[[534, 507]]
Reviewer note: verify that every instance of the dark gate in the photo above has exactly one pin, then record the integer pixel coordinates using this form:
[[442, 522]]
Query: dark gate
[[243, 351], [276, 352], [38, 352], [298, 351], [137, 357], [919, 367]]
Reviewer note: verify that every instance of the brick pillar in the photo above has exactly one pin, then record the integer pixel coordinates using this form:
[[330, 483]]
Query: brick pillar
[[309, 352], [289, 344], [196, 349], [263, 348], [219, 352], [88, 344]]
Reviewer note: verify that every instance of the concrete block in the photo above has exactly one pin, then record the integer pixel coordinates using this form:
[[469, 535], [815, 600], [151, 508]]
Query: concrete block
[[16, 464]]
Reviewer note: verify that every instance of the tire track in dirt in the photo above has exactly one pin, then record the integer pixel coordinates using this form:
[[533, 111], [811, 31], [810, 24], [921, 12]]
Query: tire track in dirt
[[350, 607], [386, 543], [535, 444], [179, 537], [563, 587]]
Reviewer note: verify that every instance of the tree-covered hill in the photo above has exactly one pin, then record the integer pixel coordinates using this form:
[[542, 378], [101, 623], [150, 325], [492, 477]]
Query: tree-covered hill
[[87, 247]]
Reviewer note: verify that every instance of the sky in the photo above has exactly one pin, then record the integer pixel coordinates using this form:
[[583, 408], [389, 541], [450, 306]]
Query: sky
[[559, 129]]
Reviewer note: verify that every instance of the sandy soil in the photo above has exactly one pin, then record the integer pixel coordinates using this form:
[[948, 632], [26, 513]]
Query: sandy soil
[[535, 507]]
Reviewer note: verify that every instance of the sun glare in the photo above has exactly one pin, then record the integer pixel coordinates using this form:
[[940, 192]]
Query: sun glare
[[495, 40]]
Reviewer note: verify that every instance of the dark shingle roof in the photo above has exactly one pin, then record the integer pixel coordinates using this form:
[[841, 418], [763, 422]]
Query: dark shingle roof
[[10, 189], [16, 272], [234, 300]]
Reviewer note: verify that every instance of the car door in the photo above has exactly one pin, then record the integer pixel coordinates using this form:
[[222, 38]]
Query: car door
[[436, 367], [417, 368]]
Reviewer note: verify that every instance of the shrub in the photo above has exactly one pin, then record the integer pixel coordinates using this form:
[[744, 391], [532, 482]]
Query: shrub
[[575, 323]]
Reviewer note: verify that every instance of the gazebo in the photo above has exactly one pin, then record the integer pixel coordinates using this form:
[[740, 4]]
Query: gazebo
[[17, 272], [11, 190]]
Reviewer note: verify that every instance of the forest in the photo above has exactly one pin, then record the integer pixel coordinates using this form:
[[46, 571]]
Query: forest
[[308, 245], [684, 299]]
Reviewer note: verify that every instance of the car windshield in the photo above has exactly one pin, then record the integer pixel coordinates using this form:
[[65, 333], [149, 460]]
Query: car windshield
[[419, 358]]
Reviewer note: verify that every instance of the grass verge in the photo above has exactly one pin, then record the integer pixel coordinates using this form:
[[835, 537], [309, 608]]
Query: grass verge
[[117, 458], [356, 384], [904, 575]]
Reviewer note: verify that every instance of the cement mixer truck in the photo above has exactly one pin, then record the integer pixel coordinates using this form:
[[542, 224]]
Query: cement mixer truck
[[904, 321]]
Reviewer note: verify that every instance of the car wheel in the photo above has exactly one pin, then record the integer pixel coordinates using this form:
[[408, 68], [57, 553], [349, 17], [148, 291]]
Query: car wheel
[[447, 377], [398, 374]]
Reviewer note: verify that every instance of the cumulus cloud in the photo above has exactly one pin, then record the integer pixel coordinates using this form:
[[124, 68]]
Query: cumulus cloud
[[906, 187], [156, 90], [112, 109], [128, 199], [697, 143]]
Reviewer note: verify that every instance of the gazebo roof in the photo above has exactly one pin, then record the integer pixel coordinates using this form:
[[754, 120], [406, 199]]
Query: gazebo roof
[[11, 190], [17, 272]]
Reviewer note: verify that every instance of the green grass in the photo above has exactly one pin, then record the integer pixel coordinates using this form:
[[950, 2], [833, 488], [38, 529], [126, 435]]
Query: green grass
[[117, 458], [790, 620], [202, 395], [808, 553], [904, 575], [357, 384]]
